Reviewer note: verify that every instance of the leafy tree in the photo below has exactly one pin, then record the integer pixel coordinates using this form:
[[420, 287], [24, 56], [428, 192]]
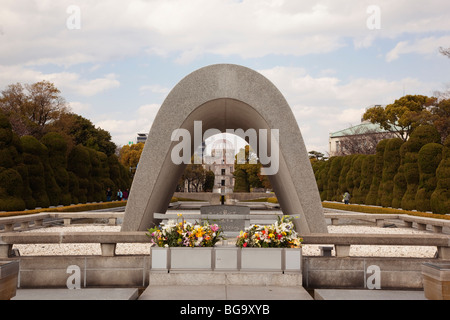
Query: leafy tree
[[209, 181], [440, 117], [82, 131], [400, 117], [316, 156], [129, 155], [195, 175]]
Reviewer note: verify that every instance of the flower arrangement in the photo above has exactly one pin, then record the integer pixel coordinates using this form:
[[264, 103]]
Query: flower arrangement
[[281, 234], [185, 234]]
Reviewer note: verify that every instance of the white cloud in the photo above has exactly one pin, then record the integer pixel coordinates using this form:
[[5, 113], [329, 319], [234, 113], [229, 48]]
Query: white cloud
[[123, 131], [35, 33], [64, 81], [424, 46], [79, 107], [154, 88]]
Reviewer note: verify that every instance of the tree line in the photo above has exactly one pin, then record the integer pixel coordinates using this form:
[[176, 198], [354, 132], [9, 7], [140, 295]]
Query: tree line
[[50, 156]]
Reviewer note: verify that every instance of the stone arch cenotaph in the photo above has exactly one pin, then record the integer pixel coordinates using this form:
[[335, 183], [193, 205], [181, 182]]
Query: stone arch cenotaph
[[223, 97]]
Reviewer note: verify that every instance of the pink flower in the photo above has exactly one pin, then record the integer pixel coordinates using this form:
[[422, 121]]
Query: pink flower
[[214, 227]]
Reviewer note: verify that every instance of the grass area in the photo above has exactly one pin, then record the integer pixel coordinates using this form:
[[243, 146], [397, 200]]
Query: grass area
[[186, 199], [73, 208], [256, 200], [372, 209], [271, 200]]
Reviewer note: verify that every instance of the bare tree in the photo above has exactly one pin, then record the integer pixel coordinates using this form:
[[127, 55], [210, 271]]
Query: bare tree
[[445, 51], [361, 140]]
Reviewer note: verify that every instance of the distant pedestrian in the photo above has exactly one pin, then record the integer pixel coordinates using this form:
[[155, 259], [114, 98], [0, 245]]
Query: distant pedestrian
[[108, 194], [119, 195], [346, 198], [125, 195]]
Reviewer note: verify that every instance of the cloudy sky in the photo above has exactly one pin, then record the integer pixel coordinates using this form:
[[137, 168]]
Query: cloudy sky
[[115, 61]]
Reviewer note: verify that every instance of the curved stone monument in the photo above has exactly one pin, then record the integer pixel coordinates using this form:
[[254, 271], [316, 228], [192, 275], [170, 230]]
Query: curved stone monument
[[222, 97]]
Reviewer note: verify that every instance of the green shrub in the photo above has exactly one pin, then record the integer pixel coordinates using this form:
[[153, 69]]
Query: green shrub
[[391, 162], [421, 136], [367, 167], [333, 192], [57, 155], [430, 155], [354, 179], [323, 178], [79, 163], [32, 152], [11, 187], [372, 196], [440, 198], [399, 188], [343, 181]]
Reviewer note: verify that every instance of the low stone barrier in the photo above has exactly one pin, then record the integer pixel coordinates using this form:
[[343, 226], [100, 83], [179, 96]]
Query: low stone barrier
[[108, 240], [420, 222], [37, 219]]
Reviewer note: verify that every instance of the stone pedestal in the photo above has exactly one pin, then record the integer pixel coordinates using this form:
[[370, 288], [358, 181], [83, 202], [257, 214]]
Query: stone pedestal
[[9, 271], [230, 224], [226, 258], [436, 281]]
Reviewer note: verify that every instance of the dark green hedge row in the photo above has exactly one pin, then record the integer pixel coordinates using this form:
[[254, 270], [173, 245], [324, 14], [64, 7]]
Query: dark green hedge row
[[412, 175], [44, 173]]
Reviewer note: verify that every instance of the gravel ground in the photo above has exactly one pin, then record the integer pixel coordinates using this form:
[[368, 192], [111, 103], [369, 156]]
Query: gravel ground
[[308, 250]]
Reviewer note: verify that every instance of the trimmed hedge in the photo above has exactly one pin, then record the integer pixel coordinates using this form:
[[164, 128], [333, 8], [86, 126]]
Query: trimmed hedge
[[42, 173], [391, 162], [440, 198], [372, 196], [412, 175]]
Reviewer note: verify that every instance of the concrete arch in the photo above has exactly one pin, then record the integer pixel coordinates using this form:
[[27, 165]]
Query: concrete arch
[[224, 96]]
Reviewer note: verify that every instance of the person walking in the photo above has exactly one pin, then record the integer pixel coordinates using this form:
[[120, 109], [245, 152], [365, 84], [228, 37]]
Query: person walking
[[119, 195], [346, 197], [125, 195], [108, 194]]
